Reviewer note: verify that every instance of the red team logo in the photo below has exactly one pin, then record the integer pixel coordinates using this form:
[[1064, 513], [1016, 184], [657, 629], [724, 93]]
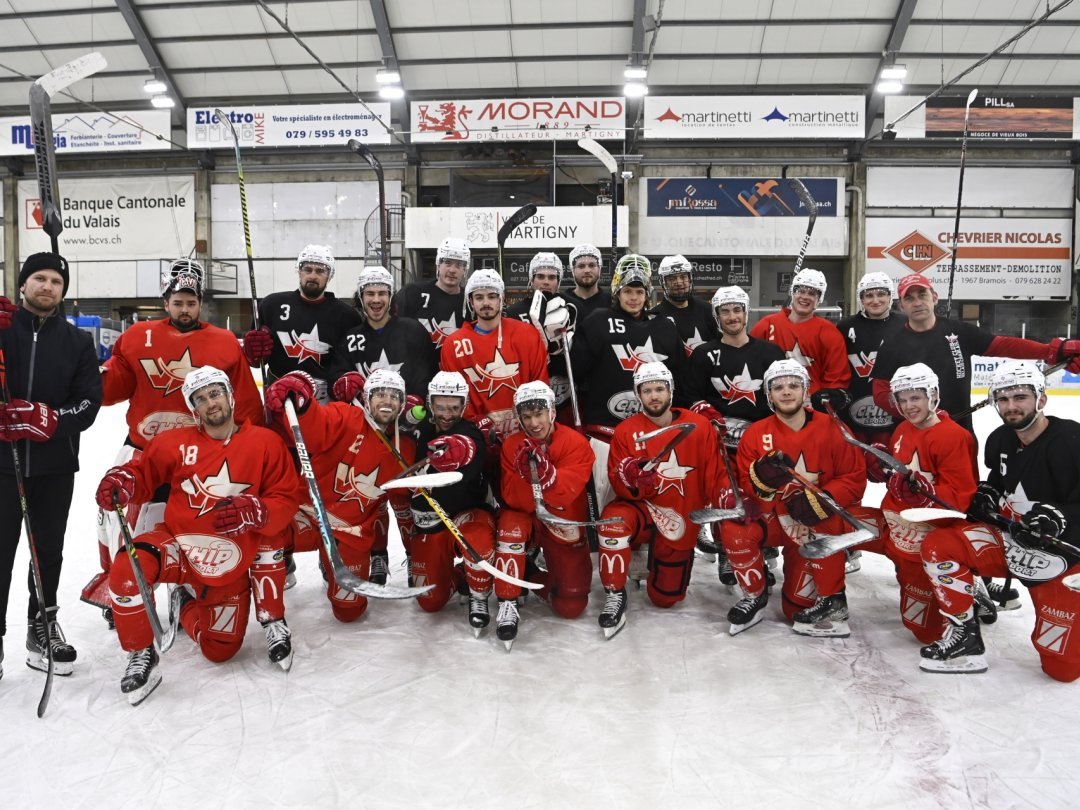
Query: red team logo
[[304, 346], [203, 494]]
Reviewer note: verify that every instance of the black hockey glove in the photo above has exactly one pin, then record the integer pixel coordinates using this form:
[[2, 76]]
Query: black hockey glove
[[837, 397], [1040, 525], [771, 472], [985, 504]]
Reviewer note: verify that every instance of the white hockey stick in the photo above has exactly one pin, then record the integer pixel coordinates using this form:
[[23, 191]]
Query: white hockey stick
[[605, 157], [424, 480]]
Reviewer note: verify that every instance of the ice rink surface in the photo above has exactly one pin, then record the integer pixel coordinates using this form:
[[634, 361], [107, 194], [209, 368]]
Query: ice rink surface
[[407, 710]]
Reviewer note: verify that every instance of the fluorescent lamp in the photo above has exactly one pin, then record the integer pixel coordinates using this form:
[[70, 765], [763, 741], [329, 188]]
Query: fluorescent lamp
[[163, 102], [387, 77], [635, 72], [391, 91], [894, 72], [890, 87], [154, 86], [635, 89]]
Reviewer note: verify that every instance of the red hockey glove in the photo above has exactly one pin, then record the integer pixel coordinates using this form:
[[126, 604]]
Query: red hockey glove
[[491, 436], [1063, 349], [239, 513], [20, 419], [451, 452], [634, 476], [297, 386], [751, 509], [770, 472], [348, 386], [545, 470], [703, 408], [118, 481], [258, 344], [876, 470], [7, 310], [807, 508], [837, 397], [911, 490], [414, 411]]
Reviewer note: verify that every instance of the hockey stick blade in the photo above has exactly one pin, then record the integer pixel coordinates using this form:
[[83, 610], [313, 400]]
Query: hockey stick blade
[[514, 221], [825, 545], [927, 514], [66, 75], [600, 153], [363, 151], [1072, 582], [709, 515], [426, 481], [683, 428]]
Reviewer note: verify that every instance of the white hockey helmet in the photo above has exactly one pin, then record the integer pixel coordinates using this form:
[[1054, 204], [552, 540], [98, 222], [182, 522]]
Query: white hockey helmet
[[485, 279], [673, 266], [652, 372], [632, 268], [585, 250], [877, 281], [1015, 373], [545, 261], [202, 377], [533, 396], [381, 379], [784, 368], [316, 254], [447, 384], [374, 274], [814, 279], [183, 275], [455, 250], [729, 295], [916, 377]]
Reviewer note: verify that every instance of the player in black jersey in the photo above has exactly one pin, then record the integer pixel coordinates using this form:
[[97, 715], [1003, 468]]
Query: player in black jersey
[[863, 334], [300, 328], [690, 315], [586, 295], [439, 305], [386, 340]]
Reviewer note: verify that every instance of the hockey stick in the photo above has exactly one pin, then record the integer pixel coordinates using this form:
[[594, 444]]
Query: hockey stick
[[984, 402], [474, 556], [545, 515], [342, 575], [945, 311], [591, 501], [826, 545], [511, 224], [221, 116], [146, 593], [41, 93], [810, 205], [1072, 582], [363, 151], [681, 430], [604, 156], [716, 515], [929, 514], [424, 481]]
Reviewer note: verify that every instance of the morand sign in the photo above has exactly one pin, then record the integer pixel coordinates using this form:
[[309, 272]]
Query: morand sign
[[518, 119]]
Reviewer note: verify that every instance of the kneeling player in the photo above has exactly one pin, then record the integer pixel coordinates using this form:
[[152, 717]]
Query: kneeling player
[[655, 494], [544, 471], [231, 501]]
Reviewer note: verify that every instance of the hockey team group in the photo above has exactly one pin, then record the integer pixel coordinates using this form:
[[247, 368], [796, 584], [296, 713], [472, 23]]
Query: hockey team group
[[518, 446]]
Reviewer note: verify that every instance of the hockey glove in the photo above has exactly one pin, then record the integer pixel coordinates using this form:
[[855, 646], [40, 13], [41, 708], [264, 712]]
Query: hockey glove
[[240, 513], [805, 507], [703, 408], [876, 470], [837, 397], [545, 470], [297, 386], [348, 386], [771, 472], [635, 477], [1040, 525], [751, 509], [118, 481], [7, 310], [20, 419], [552, 319], [985, 503], [911, 490], [451, 452], [414, 411], [487, 426], [1062, 349], [258, 344]]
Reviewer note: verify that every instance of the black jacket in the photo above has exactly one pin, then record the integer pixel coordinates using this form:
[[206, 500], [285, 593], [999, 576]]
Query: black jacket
[[49, 360]]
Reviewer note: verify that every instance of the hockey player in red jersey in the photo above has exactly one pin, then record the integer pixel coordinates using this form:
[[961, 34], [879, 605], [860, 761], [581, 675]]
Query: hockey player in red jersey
[[350, 461], [810, 339], [232, 497], [545, 467], [1034, 483], [147, 369], [495, 354], [808, 442], [654, 495]]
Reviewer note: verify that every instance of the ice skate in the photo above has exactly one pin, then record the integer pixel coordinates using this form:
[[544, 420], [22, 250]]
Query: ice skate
[[985, 608], [380, 567], [727, 573], [479, 616], [853, 562], [747, 612], [772, 557], [959, 651], [279, 643], [507, 622], [612, 618], [142, 675], [826, 618], [37, 657], [1004, 598], [179, 595]]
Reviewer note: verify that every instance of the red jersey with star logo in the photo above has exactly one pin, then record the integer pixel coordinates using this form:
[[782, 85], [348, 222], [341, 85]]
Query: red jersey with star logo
[[573, 458], [815, 343], [149, 363], [200, 472], [691, 473], [944, 453]]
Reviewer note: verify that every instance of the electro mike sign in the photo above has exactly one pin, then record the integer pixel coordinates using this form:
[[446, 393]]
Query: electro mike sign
[[293, 125]]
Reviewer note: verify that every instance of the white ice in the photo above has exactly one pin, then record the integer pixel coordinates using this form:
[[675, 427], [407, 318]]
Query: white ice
[[405, 709]]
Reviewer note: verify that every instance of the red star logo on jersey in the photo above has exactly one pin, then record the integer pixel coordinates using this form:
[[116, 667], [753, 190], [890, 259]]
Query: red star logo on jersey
[[916, 466], [204, 493], [495, 375], [863, 363], [1017, 504], [351, 485], [303, 346], [797, 355], [167, 376], [800, 468], [741, 386], [693, 342], [630, 357], [672, 474], [440, 330]]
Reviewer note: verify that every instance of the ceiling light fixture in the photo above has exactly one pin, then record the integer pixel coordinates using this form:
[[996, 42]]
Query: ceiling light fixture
[[154, 86], [635, 89], [886, 87], [163, 102], [387, 76], [391, 92], [637, 72], [895, 72]]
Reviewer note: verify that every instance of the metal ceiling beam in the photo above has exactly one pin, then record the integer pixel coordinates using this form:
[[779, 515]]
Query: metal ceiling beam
[[399, 107], [153, 58], [636, 58], [876, 100]]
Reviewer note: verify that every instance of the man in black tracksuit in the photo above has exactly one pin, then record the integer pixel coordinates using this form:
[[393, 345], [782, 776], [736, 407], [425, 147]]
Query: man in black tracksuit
[[52, 392]]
